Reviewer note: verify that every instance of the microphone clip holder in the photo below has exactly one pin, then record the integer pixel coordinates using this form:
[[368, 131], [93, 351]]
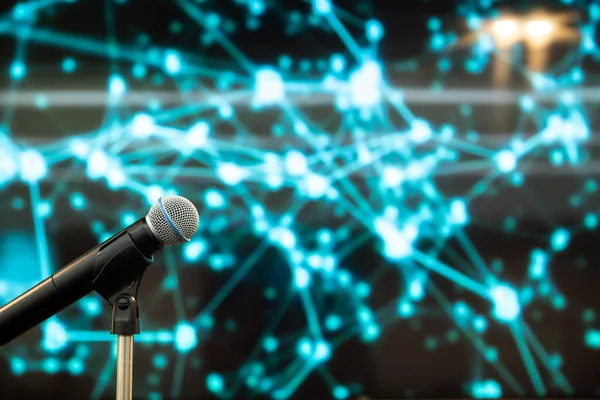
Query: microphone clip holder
[[125, 324], [125, 312]]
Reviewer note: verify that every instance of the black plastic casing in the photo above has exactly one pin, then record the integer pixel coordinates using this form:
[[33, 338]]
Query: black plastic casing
[[108, 269]]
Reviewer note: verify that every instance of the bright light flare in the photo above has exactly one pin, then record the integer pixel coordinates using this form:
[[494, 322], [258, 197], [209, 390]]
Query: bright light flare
[[505, 28], [539, 29]]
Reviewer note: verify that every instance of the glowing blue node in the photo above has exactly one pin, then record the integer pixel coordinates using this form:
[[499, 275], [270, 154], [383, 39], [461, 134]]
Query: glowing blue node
[[431, 344], [256, 7], [396, 242], [486, 390], [305, 347], [527, 294], [206, 321], [592, 339], [405, 309], [473, 21], [17, 70], [559, 302], [97, 164], [555, 361], [55, 336], [281, 394], [577, 75], [365, 315], [333, 322], [341, 392], [560, 239], [437, 42], [265, 385], [221, 261], [153, 193], [491, 354], [420, 131], [185, 337], [539, 261], [392, 176], [434, 24], [44, 209], [458, 212], [316, 185], [506, 161], [115, 178], [75, 366], [142, 126], [215, 383], [506, 303], [197, 136], [226, 111], [172, 63], [338, 63], [117, 86], [32, 166], [194, 250], [231, 174], [79, 148], [461, 310], [479, 324], [365, 85], [416, 290], [270, 344], [283, 236], [91, 306], [128, 218], [325, 236], [296, 163], [362, 290], [371, 333], [50, 366], [155, 396], [315, 261], [344, 278], [139, 71], [18, 365], [322, 352], [68, 65], [214, 199], [374, 30], [588, 315], [269, 87], [160, 361], [329, 263], [322, 6], [301, 278]]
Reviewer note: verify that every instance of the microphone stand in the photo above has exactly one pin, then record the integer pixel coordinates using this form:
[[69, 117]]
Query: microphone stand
[[125, 324]]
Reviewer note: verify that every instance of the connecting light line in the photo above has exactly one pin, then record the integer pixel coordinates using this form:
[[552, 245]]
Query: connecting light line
[[450, 273], [528, 359], [318, 180]]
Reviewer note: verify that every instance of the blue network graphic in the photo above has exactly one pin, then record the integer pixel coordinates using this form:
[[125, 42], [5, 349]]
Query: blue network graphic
[[319, 181]]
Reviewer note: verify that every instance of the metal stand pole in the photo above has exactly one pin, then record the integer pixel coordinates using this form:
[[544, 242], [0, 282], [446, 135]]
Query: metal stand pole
[[125, 325], [125, 367]]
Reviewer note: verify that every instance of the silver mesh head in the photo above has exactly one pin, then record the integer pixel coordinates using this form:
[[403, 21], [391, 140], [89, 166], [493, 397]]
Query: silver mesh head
[[173, 220]]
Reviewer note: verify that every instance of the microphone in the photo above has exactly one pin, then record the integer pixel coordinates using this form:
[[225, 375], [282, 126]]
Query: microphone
[[109, 268]]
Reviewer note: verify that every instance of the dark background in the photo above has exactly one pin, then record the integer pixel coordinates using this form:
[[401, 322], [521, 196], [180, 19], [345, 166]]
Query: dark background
[[506, 222]]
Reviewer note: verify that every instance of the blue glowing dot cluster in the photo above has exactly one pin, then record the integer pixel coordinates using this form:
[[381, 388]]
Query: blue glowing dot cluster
[[314, 160]]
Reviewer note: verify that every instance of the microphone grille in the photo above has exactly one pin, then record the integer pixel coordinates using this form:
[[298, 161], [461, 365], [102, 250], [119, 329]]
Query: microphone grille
[[173, 219]]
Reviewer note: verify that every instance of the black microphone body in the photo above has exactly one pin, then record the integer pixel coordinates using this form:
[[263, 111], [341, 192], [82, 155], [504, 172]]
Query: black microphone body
[[108, 269]]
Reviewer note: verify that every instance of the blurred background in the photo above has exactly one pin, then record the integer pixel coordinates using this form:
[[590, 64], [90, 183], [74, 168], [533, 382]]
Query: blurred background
[[397, 199]]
